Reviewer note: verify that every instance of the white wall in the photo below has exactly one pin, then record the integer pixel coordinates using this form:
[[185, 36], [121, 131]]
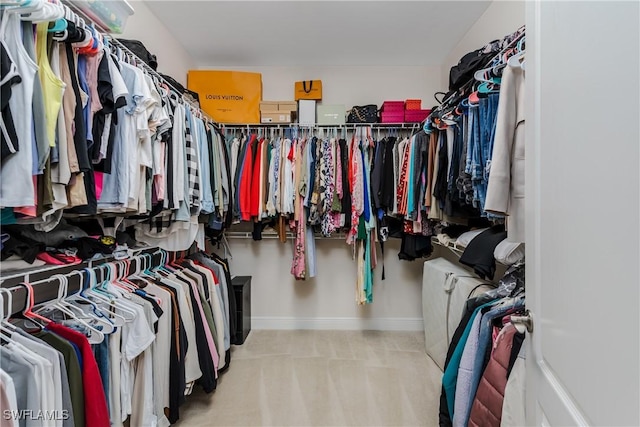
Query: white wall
[[328, 301], [500, 18], [351, 85], [173, 59]]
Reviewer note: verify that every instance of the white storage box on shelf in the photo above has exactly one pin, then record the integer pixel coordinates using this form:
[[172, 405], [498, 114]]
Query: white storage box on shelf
[[445, 289], [111, 15]]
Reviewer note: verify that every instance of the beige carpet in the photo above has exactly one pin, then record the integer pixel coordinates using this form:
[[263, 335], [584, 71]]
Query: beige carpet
[[322, 378]]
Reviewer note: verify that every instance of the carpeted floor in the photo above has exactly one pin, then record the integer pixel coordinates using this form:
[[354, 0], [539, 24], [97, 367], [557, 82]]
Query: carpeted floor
[[322, 378]]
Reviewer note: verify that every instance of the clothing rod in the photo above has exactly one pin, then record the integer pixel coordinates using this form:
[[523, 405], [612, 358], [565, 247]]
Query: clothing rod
[[156, 74], [445, 102], [248, 235], [75, 10], [84, 17], [53, 269], [294, 125], [44, 290]]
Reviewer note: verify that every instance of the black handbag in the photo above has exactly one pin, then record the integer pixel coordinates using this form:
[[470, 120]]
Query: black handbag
[[363, 114]]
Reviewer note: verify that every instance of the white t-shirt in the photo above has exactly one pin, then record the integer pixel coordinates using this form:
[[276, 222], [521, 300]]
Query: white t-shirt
[[143, 408], [44, 380], [192, 364], [161, 351], [115, 359], [51, 355], [136, 338], [10, 390]]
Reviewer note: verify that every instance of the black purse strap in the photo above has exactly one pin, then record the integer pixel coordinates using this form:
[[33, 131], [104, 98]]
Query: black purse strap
[[304, 86]]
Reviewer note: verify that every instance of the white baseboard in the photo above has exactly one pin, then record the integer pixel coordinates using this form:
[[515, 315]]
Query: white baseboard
[[338, 323]]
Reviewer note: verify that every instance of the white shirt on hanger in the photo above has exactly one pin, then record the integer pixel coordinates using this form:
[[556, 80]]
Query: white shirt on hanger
[[161, 351], [51, 355], [192, 365], [10, 390]]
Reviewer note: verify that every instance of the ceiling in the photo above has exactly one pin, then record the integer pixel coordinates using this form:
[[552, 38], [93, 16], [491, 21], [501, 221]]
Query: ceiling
[[286, 33]]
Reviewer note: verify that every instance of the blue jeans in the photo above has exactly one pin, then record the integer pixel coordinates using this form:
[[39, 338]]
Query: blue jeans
[[101, 353]]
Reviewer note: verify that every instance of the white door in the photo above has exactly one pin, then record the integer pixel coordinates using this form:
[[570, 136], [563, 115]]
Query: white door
[[583, 198]]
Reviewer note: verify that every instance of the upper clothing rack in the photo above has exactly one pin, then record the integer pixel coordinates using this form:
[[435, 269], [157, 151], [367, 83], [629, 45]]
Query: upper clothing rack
[[73, 9]]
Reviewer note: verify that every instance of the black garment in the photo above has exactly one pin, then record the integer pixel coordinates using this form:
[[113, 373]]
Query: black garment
[[452, 200], [179, 346], [387, 190], [202, 276], [376, 174], [346, 191], [518, 340], [87, 247], [469, 308], [419, 166], [479, 253], [440, 186], [227, 162], [455, 230], [415, 246], [23, 247], [9, 140], [208, 380], [140, 50]]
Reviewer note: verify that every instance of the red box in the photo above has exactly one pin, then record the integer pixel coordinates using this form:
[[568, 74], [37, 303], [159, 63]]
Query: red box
[[393, 106], [416, 116], [392, 117], [413, 104]]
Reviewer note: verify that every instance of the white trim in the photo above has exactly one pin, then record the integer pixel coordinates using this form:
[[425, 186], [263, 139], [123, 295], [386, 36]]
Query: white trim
[[338, 323]]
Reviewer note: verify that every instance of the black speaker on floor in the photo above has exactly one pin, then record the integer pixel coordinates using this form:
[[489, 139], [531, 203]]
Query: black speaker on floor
[[242, 289]]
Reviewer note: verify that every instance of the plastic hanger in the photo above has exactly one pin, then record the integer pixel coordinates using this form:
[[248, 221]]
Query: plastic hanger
[[14, 3], [49, 12], [6, 328], [96, 312], [112, 317], [96, 336], [27, 311], [100, 293], [25, 9], [517, 60]]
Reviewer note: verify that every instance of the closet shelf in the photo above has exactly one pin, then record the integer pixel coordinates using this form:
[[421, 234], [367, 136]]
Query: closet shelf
[[38, 273]]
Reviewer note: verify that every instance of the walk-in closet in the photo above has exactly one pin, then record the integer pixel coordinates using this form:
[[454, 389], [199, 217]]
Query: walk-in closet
[[319, 213]]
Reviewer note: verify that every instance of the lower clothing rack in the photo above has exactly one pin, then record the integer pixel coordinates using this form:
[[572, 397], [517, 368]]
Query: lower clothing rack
[[44, 280]]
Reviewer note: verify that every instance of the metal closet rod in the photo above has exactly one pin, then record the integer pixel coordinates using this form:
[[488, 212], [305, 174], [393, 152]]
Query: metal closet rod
[[54, 269], [249, 235], [43, 287], [150, 70], [298, 125]]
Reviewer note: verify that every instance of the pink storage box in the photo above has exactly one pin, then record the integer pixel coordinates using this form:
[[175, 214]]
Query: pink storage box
[[392, 117], [393, 106], [416, 116]]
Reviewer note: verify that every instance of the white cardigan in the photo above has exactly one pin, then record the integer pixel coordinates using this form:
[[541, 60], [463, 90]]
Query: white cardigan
[[505, 192]]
